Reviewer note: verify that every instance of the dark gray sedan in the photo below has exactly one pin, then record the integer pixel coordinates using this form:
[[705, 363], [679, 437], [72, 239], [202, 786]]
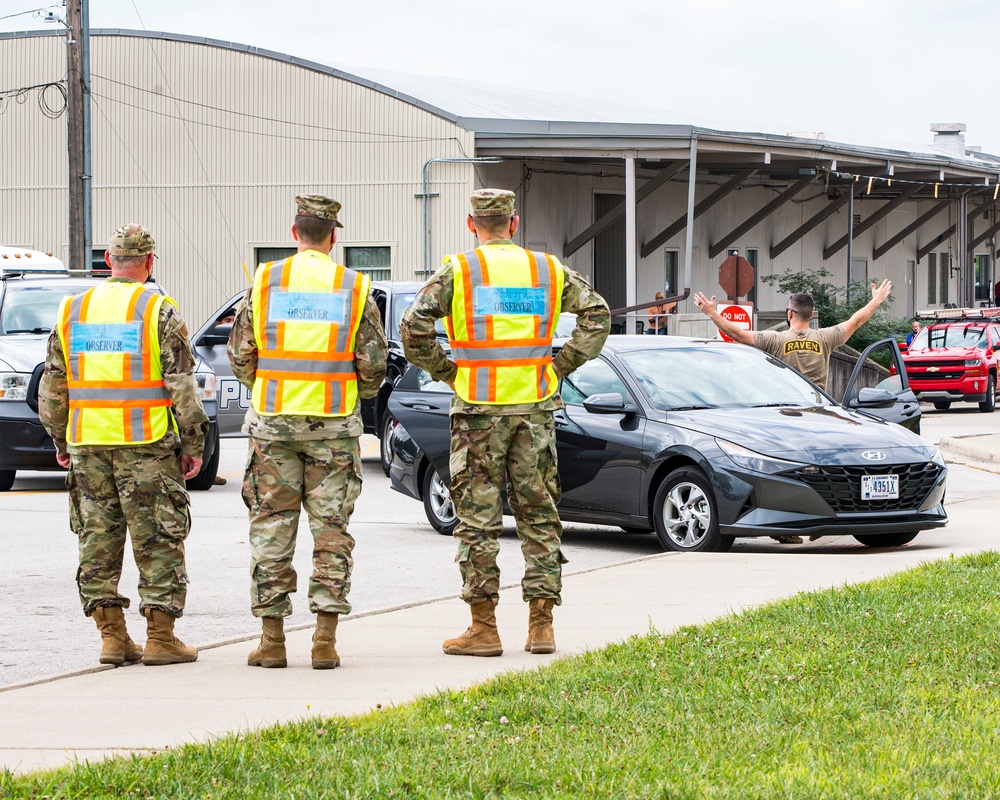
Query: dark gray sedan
[[703, 441]]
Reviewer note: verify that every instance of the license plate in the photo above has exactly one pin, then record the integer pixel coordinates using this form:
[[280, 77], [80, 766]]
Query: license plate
[[879, 487]]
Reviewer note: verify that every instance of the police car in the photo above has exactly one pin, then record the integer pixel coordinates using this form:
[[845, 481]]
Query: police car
[[29, 302]]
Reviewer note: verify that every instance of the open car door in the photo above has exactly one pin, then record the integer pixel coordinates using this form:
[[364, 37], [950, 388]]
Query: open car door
[[878, 386]]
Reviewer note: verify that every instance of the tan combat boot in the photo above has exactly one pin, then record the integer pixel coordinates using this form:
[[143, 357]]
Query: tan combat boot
[[481, 637], [270, 653], [541, 638], [162, 647], [324, 655], [117, 646]]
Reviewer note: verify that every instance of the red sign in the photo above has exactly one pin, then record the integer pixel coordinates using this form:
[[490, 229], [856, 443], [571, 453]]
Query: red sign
[[738, 315], [736, 276]]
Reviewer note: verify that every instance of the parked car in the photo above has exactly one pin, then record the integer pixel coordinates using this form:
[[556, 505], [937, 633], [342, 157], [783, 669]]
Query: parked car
[[392, 299], [955, 360], [704, 441], [29, 303]]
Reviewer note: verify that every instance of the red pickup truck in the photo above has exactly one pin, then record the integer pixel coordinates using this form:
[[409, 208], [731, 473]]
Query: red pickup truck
[[955, 358]]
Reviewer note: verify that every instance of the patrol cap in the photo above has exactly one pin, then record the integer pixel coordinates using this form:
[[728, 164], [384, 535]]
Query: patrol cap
[[131, 240], [492, 203], [316, 205]]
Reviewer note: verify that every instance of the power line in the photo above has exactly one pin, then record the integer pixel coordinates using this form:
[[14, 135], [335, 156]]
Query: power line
[[286, 136], [400, 136], [159, 197], [45, 105], [194, 147], [30, 11]]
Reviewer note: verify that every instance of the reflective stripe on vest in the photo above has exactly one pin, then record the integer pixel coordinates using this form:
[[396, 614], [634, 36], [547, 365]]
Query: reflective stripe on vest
[[110, 340], [306, 314], [505, 308]]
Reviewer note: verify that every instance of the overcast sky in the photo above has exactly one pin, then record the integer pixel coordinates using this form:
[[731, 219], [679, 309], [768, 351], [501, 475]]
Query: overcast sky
[[861, 70]]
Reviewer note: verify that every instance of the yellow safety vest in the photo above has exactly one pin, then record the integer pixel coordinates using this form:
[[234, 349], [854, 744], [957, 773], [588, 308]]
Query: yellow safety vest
[[111, 343], [503, 314], [306, 314]]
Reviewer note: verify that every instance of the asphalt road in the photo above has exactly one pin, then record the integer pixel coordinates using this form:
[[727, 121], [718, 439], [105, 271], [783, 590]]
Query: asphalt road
[[399, 558]]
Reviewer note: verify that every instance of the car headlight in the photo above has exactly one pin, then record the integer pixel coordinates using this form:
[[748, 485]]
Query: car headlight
[[972, 362], [755, 462], [208, 386], [14, 385]]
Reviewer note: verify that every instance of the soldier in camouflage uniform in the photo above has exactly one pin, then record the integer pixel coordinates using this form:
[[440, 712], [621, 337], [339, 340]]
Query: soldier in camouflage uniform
[[306, 461], [135, 487], [494, 442]]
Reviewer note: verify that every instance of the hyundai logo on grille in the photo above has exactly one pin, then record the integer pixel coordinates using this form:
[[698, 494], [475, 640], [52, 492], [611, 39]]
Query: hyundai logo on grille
[[873, 455]]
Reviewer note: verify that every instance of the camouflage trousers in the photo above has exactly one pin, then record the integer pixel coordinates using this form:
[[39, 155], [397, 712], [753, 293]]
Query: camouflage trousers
[[486, 451], [138, 490], [323, 476]]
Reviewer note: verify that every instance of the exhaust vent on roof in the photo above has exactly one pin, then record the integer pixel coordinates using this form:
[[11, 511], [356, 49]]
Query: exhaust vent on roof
[[950, 136]]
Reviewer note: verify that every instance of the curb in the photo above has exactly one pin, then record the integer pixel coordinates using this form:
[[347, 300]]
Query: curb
[[978, 446]]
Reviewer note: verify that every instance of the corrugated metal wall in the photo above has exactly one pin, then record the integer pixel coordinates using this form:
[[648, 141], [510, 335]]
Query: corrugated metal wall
[[208, 147]]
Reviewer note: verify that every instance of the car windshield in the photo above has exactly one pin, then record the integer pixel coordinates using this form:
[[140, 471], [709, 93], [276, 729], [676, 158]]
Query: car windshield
[[33, 308], [730, 376], [401, 302], [950, 336]]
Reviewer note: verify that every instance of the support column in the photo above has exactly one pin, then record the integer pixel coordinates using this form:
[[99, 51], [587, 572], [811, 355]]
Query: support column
[[630, 240], [689, 231]]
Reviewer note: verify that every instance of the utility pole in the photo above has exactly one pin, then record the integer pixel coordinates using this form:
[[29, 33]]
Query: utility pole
[[78, 134]]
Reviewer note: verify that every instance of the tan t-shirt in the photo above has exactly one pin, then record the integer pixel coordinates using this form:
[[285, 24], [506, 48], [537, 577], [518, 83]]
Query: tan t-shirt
[[808, 351]]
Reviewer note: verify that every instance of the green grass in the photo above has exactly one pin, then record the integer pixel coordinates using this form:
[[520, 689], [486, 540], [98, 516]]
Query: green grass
[[883, 690]]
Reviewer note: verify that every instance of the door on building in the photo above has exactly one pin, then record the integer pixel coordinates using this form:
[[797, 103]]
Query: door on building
[[911, 289], [609, 254], [984, 278]]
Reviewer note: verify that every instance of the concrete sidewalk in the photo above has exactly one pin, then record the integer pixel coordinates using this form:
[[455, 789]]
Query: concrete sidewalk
[[394, 656], [981, 447]]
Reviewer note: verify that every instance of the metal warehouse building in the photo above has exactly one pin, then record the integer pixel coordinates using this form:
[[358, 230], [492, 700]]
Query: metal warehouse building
[[207, 142]]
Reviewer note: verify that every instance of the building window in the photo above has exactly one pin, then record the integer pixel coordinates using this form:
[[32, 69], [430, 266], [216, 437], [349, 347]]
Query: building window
[[97, 263], [752, 257], [262, 255], [983, 277], [375, 262], [932, 279], [943, 264], [670, 272]]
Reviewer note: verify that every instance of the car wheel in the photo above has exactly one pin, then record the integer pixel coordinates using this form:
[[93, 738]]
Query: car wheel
[[989, 405], [942, 405], [6, 479], [886, 540], [205, 479], [685, 514], [438, 507], [385, 441]]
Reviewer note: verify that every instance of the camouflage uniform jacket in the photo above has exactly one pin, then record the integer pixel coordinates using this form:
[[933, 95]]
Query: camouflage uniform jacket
[[177, 363], [370, 349], [434, 300]]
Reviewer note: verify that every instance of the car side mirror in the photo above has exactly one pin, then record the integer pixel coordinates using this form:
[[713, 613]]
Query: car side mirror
[[217, 336], [610, 403], [870, 397]]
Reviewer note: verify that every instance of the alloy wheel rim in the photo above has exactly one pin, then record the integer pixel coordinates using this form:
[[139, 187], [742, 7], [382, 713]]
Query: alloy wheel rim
[[687, 515], [440, 499]]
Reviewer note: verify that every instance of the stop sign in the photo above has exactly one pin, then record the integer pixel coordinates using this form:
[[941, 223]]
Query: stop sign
[[742, 316]]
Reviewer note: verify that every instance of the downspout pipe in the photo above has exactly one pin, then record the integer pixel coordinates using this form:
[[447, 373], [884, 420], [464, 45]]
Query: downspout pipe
[[426, 195]]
